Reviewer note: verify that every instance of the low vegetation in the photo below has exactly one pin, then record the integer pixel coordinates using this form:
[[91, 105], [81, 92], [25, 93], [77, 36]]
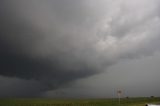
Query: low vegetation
[[79, 102]]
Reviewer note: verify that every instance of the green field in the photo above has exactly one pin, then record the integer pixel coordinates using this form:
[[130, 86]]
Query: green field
[[79, 102]]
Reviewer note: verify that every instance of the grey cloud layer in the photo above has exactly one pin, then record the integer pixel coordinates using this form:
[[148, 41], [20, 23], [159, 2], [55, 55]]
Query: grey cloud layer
[[56, 42]]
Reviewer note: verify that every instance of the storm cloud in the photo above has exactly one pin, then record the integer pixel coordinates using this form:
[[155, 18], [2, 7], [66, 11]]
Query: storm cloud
[[55, 42]]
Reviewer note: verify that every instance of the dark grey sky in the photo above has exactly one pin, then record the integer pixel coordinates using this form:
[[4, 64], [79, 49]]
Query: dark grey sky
[[72, 48]]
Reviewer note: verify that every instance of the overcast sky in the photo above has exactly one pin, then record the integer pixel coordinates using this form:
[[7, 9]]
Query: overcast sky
[[79, 48]]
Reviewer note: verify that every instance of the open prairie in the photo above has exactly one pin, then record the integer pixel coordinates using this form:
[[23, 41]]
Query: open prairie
[[79, 102]]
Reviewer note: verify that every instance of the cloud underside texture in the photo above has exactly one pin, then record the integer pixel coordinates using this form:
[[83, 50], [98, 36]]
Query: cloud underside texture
[[48, 44]]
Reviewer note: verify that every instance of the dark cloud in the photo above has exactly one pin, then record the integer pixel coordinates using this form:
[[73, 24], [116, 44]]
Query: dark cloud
[[57, 42], [15, 87], [26, 54]]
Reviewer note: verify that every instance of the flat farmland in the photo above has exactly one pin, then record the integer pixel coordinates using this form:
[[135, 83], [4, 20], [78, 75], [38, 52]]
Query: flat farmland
[[79, 102]]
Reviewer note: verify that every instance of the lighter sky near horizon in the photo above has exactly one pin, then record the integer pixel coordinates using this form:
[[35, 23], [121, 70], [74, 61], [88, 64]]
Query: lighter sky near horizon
[[79, 48]]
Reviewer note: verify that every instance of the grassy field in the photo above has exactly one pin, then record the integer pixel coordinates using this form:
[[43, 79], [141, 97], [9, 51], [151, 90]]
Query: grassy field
[[79, 102]]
